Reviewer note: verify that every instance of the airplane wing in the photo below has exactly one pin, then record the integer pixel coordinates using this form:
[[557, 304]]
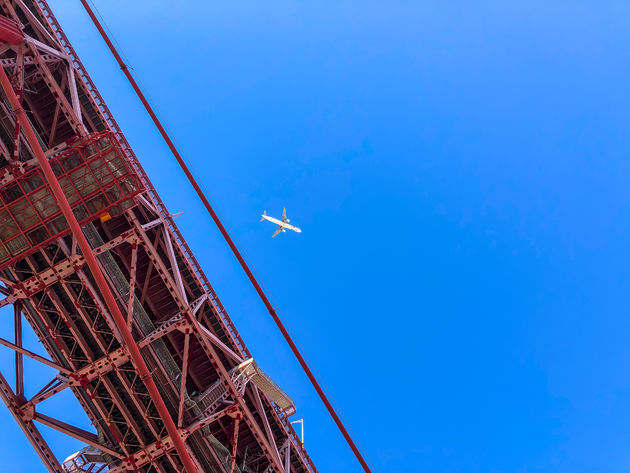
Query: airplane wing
[[277, 231], [284, 214]]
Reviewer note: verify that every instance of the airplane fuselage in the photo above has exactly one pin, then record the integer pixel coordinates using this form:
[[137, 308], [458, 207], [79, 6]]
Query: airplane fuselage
[[281, 223]]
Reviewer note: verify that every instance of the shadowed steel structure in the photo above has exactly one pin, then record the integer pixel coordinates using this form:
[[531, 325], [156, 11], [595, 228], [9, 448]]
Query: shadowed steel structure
[[91, 259]]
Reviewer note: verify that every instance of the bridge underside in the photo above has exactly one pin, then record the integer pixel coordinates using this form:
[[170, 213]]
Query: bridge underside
[[231, 415]]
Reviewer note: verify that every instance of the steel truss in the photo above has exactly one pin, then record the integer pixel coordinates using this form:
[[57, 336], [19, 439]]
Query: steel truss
[[186, 338]]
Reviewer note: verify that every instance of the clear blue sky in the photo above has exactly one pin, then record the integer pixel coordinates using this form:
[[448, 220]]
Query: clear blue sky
[[460, 172]]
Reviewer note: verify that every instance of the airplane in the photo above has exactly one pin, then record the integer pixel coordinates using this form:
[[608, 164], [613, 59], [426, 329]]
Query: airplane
[[282, 224]]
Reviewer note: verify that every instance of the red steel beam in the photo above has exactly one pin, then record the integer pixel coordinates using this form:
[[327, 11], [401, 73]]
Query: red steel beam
[[22, 351], [19, 359], [96, 271], [227, 238], [237, 420]]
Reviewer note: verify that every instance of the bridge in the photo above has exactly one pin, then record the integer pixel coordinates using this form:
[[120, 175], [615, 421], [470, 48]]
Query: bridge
[[91, 259]]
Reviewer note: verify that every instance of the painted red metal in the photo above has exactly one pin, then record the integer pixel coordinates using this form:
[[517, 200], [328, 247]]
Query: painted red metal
[[237, 420], [177, 321], [230, 242], [95, 178], [10, 31], [98, 275]]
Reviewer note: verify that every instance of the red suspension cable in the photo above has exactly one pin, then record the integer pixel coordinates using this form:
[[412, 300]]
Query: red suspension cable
[[227, 238]]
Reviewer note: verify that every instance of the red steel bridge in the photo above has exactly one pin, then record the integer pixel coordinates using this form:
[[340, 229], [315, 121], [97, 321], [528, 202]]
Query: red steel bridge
[[91, 259]]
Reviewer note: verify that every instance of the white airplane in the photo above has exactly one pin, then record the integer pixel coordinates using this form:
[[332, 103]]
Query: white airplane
[[282, 224]]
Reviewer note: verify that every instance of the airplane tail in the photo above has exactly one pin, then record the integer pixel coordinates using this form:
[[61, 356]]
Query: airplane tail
[[263, 215]]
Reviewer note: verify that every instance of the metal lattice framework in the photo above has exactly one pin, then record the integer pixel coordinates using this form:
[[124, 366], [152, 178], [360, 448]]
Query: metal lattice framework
[[231, 416]]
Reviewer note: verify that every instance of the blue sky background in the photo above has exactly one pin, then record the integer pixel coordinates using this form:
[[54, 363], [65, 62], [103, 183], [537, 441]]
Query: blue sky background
[[460, 172]]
